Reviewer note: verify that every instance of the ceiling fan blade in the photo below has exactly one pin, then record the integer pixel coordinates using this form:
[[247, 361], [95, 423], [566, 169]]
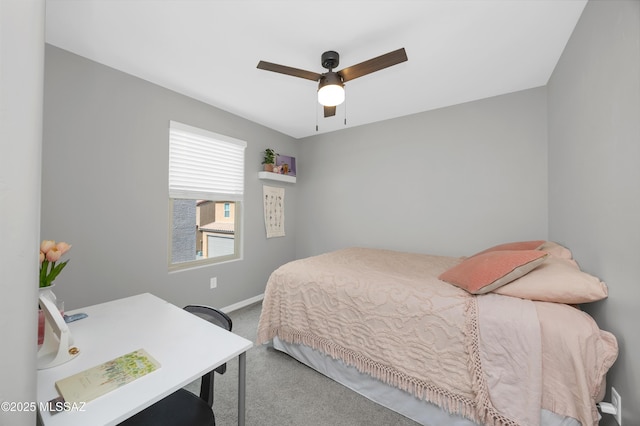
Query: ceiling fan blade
[[329, 111], [373, 65], [268, 66]]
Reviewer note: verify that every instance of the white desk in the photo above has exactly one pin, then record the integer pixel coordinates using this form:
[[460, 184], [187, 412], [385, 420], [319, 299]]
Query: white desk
[[186, 347]]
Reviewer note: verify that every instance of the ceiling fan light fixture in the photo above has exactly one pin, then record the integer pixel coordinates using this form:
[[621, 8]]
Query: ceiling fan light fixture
[[331, 90]]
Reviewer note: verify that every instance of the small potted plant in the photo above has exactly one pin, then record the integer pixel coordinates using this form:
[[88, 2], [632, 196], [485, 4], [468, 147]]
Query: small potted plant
[[269, 159]]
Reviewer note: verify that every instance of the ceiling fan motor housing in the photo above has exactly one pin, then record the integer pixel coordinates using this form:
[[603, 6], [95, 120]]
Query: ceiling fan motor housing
[[330, 60]]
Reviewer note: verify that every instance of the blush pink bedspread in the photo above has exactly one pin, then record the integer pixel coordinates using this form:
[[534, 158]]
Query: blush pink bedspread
[[493, 359]]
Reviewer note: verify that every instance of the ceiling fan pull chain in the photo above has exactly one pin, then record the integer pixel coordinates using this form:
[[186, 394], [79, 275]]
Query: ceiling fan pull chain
[[345, 110]]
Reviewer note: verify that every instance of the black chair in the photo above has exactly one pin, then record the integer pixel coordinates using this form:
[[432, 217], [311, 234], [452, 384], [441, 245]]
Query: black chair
[[183, 408]]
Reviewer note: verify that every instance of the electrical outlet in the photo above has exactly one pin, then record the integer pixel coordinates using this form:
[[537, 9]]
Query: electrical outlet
[[213, 283], [617, 403]]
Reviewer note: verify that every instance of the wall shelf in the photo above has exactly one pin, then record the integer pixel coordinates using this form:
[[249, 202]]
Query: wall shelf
[[276, 177]]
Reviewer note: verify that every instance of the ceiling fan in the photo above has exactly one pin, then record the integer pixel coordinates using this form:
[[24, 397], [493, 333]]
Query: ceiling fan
[[331, 86]]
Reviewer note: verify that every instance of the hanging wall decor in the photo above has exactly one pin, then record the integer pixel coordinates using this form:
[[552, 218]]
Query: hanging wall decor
[[273, 198]]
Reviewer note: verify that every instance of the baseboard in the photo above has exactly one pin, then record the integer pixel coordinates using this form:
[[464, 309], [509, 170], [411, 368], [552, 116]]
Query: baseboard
[[242, 304]]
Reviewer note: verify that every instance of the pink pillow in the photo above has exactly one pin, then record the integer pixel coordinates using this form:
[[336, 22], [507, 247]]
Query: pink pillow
[[557, 280], [518, 245], [554, 249], [485, 272]]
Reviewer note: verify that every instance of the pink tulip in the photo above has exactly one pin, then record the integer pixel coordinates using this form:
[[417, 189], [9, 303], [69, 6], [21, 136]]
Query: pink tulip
[[53, 255], [41, 257], [63, 247], [47, 245]]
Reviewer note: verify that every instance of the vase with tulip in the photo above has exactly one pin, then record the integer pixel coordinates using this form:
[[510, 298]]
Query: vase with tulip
[[50, 254], [50, 268]]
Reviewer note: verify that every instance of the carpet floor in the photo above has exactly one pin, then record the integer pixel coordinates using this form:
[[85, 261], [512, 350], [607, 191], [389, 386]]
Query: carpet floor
[[284, 392]]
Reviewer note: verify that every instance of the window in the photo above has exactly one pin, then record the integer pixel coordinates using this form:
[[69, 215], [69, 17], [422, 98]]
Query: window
[[206, 189]]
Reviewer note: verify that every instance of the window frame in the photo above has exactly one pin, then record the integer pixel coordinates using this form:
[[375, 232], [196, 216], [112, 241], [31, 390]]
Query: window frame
[[238, 201]]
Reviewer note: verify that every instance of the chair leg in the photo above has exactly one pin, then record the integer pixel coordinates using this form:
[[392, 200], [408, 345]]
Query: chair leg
[[206, 388]]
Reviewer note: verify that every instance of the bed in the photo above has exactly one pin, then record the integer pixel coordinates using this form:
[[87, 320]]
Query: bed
[[479, 340]]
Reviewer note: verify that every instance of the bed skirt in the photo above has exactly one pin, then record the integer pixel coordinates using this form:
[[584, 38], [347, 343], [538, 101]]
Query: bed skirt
[[390, 397]]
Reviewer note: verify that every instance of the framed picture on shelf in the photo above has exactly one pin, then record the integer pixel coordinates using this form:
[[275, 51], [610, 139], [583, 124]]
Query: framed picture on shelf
[[286, 165]]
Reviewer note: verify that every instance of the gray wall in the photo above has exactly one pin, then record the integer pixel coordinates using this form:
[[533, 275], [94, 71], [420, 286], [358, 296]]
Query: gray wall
[[449, 181], [104, 188], [594, 173]]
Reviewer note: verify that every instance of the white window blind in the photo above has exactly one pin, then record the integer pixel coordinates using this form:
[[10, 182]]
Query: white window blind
[[205, 165]]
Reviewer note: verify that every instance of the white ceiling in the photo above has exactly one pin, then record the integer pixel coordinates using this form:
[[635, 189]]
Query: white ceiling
[[458, 50]]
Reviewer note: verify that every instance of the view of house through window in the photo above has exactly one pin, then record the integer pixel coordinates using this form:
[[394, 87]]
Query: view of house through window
[[206, 188], [202, 229]]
